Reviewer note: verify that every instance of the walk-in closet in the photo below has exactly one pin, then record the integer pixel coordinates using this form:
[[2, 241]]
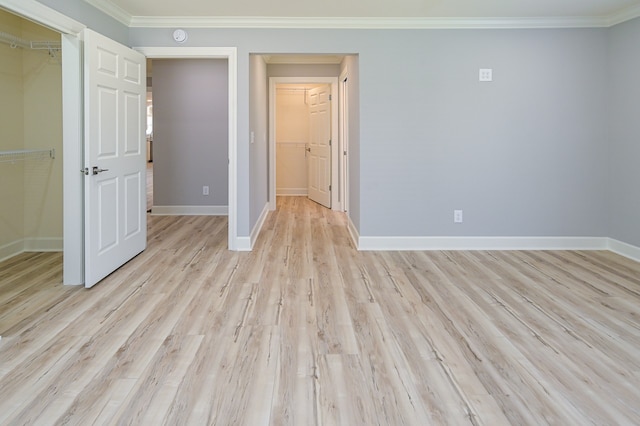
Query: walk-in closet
[[30, 137]]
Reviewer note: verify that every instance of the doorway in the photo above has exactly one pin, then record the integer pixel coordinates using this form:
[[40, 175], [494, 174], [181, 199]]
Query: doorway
[[305, 83], [188, 136], [228, 53], [31, 188]]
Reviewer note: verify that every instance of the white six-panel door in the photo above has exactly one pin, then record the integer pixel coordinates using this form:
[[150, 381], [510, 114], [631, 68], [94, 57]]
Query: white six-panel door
[[319, 151], [115, 155]]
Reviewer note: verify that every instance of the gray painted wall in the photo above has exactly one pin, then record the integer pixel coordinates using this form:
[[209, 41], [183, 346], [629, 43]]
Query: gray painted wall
[[83, 12], [522, 156], [624, 114], [190, 134], [259, 148]]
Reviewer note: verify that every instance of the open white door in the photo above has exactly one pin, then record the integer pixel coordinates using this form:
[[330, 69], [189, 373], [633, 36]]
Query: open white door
[[319, 150], [115, 155]]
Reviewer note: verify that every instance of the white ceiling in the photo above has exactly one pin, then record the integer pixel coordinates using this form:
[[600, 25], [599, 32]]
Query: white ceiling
[[143, 12]]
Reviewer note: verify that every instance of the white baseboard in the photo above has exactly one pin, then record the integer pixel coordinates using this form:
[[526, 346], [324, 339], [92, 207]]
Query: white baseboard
[[247, 243], [482, 243], [624, 249], [11, 249], [30, 244], [256, 229], [190, 210], [43, 244], [353, 232], [243, 244], [300, 192]]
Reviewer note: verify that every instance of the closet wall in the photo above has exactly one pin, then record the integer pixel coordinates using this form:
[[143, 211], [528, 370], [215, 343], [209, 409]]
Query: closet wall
[[30, 119]]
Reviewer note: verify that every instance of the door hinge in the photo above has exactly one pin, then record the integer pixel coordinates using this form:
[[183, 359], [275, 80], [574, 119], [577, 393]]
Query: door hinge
[[330, 97], [329, 187], [330, 142]]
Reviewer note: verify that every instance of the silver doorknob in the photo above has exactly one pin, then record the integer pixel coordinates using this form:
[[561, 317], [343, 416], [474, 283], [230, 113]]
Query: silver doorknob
[[97, 170]]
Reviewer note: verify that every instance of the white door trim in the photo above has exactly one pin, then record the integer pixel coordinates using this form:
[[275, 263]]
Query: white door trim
[[333, 81], [43, 15], [343, 108], [229, 53]]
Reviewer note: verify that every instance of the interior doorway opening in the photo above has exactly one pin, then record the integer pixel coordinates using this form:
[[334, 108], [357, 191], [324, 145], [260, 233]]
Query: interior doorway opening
[[303, 71], [229, 55], [31, 188], [301, 150]]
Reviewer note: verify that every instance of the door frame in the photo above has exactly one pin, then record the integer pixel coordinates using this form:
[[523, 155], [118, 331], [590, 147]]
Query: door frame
[[336, 203], [231, 55], [343, 154]]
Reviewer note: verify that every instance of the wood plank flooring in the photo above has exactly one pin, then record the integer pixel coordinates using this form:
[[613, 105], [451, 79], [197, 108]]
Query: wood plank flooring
[[305, 330]]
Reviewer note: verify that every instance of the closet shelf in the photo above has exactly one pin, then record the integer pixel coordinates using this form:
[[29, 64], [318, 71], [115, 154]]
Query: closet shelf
[[15, 42], [54, 48], [26, 154]]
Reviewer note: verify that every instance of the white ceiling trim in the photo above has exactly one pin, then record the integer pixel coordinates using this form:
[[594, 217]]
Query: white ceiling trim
[[36, 11], [112, 10], [361, 22], [624, 15], [364, 23]]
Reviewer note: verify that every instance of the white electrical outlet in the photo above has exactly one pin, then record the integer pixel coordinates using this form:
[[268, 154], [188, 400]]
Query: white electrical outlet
[[205, 190], [485, 74], [457, 216]]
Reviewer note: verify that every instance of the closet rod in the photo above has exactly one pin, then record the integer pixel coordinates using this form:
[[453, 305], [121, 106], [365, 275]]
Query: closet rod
[[26, 154], [16, 42]]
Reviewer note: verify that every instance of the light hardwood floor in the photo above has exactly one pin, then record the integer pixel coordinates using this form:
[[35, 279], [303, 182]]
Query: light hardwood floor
[[305, 330]]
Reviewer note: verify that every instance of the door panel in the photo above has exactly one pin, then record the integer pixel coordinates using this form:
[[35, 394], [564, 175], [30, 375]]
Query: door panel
[[115, 101], [319, 158]]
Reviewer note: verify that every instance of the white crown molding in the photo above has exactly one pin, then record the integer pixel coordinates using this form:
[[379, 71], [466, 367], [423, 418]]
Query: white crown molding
[[111, 9], [364, 23], [44, 15], [186, 52], [129, 20], [623, 15]]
